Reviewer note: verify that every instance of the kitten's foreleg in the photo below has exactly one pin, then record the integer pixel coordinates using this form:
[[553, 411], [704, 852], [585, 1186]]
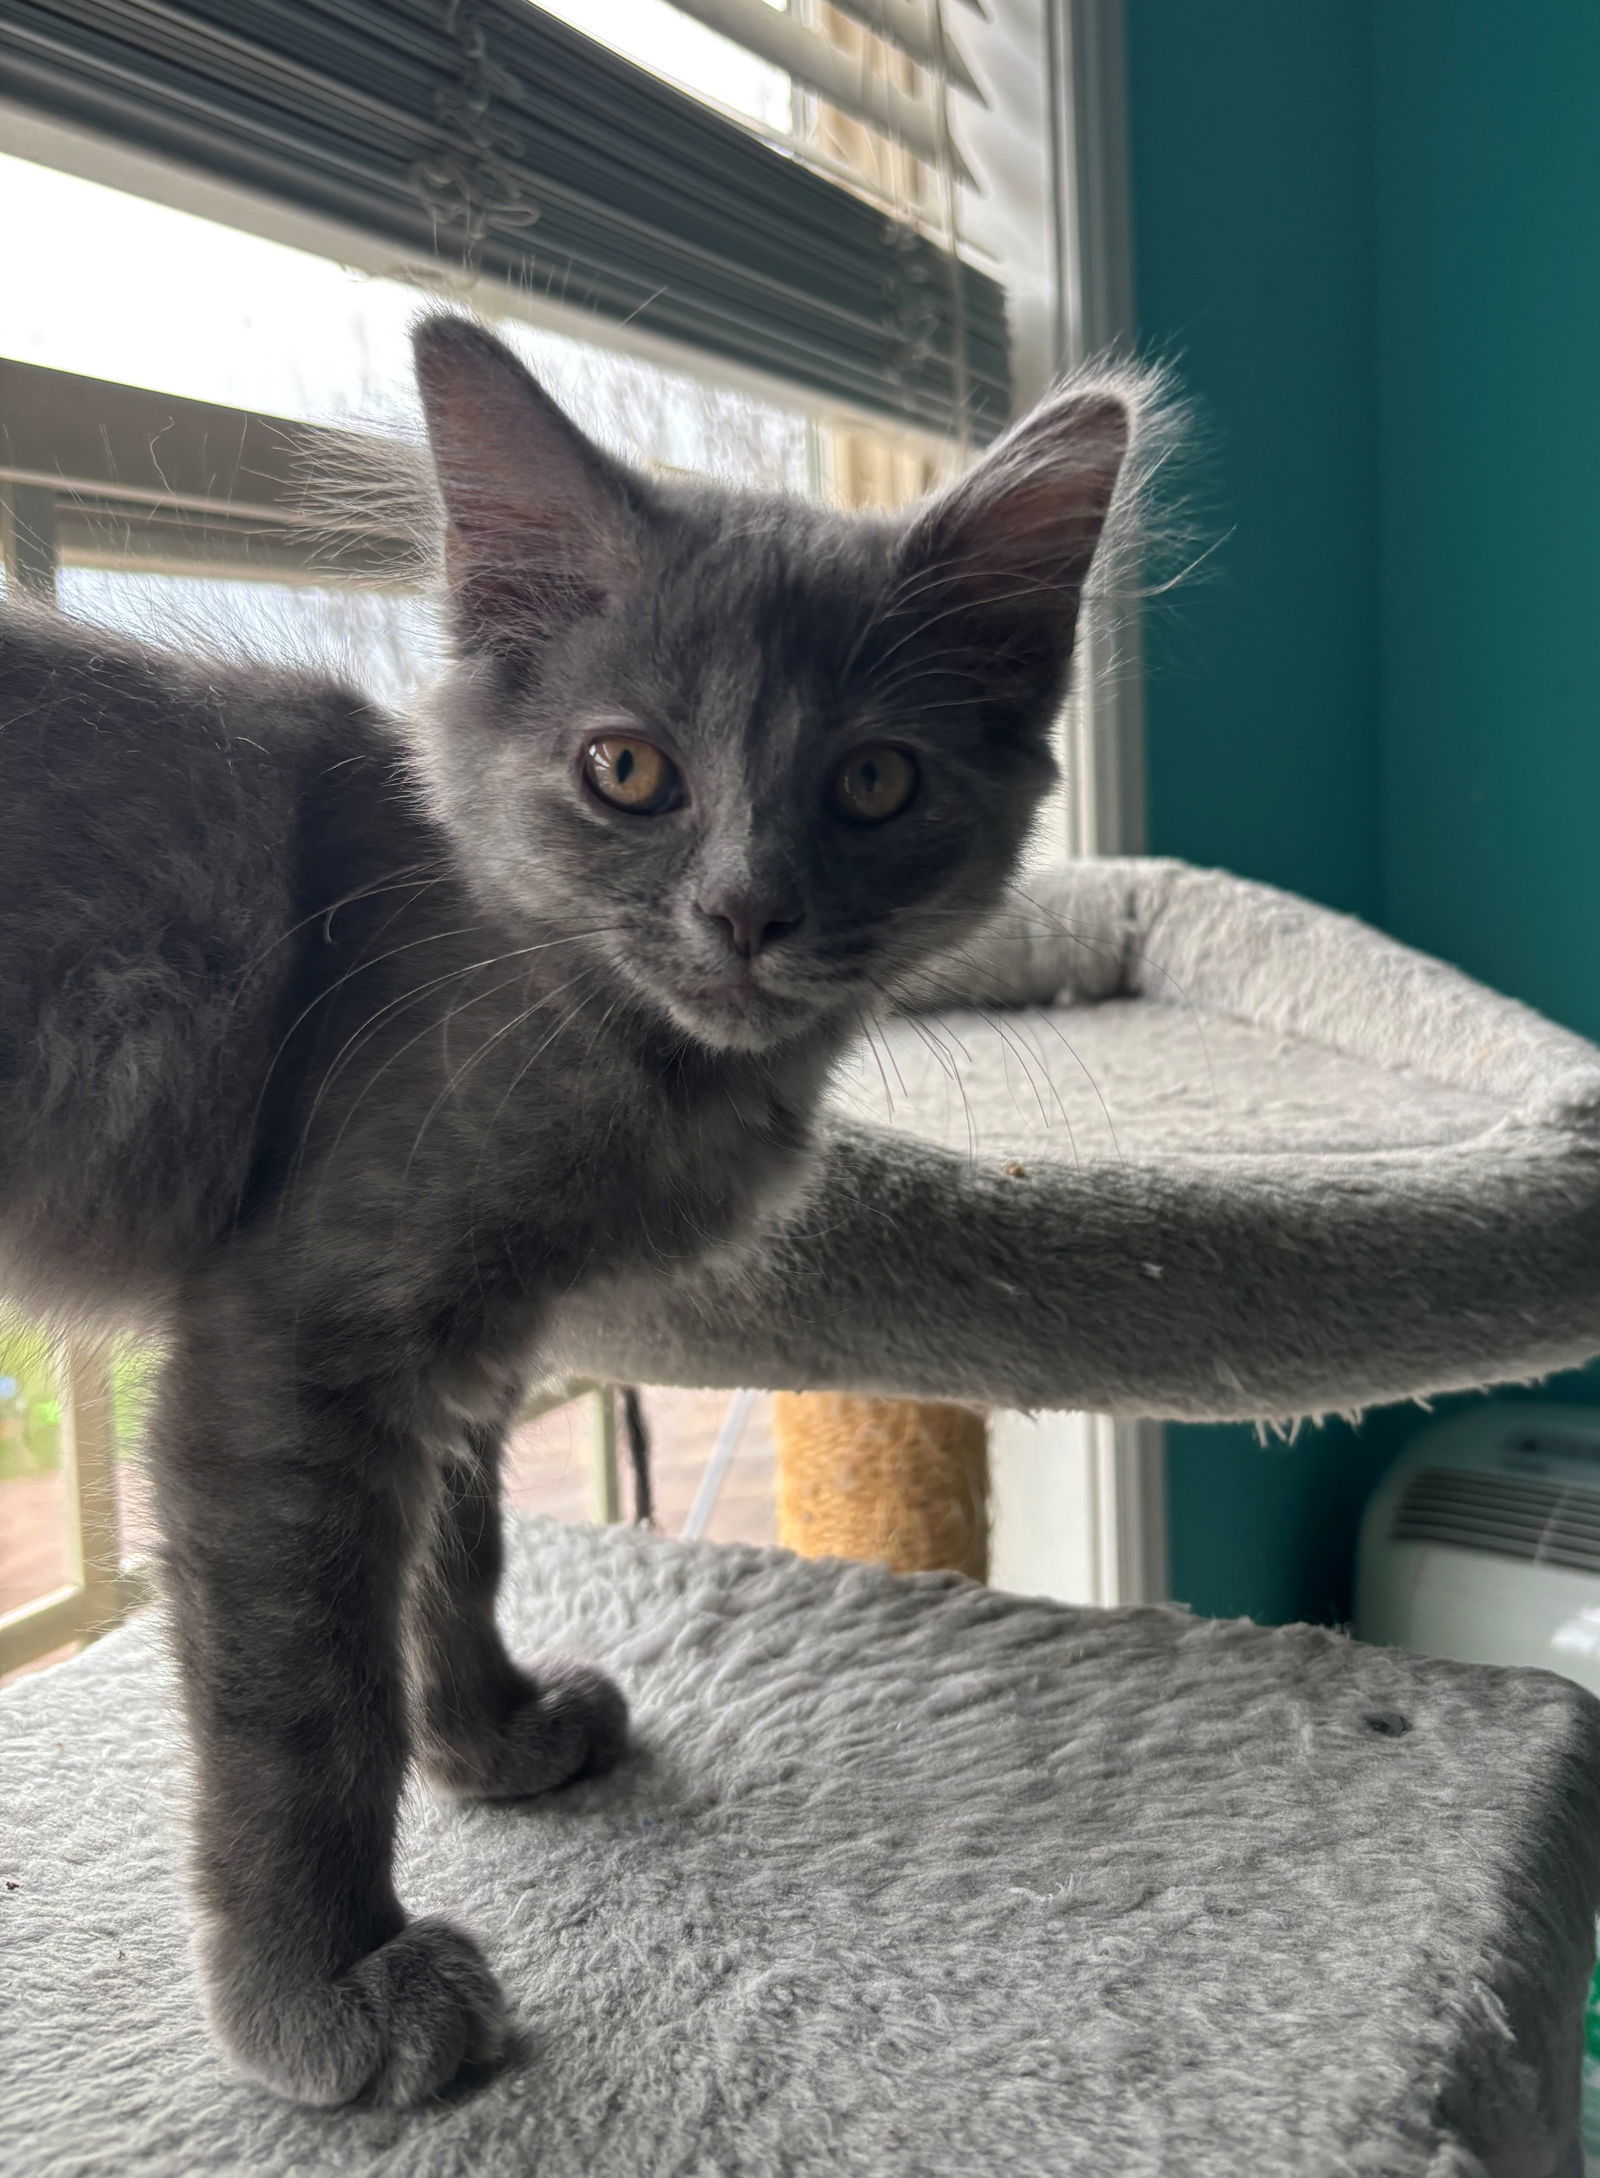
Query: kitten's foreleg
[[486, 1728], [289, 1507]]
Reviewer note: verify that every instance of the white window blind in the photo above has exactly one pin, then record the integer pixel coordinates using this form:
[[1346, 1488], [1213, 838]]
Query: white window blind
[[493, 135], [909, 105]]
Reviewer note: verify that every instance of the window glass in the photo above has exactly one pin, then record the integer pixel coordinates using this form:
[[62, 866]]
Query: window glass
[[33, 1533], [163, 299], [675, 46], [385, 644]]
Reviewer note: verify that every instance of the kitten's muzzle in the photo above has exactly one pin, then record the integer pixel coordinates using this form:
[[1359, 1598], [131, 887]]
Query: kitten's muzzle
[[748, 922]]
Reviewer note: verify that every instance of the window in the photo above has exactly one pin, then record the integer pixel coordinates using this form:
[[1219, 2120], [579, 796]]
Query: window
[[491, 145], [817, 246], [180, 509]]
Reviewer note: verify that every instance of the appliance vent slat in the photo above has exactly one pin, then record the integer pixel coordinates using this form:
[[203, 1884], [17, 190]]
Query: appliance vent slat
[[1491, 1490], [1511, 1522], [1511, 1516]]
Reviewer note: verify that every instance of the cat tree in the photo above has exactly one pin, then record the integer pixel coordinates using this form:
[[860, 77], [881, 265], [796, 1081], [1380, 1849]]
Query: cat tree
[[1165, 1143], [913, 1876]]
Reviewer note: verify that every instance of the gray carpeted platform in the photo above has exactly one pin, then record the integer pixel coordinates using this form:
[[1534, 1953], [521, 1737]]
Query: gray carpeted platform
[[907, 1876], [1163, 1143]]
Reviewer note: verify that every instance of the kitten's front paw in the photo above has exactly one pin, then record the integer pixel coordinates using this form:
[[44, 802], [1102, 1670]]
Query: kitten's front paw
[[570, 1721], [393, 2030]]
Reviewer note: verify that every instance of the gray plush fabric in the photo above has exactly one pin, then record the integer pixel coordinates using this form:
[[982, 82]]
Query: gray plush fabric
[[1176, 1145], [907, 1876]]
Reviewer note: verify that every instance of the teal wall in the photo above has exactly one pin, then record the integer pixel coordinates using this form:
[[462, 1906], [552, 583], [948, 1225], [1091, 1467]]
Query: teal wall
[[1264, 666], [1487, 276], [1369, 237]]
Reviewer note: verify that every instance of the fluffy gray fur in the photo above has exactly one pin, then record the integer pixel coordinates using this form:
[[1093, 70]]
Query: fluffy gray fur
[[343, 1051], [903, 1876]]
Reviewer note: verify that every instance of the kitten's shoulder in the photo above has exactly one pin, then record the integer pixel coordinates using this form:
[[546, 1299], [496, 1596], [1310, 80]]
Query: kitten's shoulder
[[56, 671]]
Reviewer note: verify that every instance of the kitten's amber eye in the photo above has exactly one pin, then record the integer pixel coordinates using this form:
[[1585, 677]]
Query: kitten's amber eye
[[632, 775], [874, 783]]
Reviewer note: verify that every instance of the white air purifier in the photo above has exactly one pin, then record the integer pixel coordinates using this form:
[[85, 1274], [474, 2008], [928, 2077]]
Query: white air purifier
[[1483, 1542]]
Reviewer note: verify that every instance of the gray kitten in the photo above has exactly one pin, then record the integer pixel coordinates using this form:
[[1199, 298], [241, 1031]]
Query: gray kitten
[[342, 1046]]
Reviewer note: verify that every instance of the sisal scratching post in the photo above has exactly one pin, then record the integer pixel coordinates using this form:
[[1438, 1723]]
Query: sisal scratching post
[[900, 1482]]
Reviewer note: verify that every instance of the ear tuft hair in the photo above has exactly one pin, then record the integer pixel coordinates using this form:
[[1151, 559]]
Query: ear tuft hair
[[538, 520], [1000, 560]]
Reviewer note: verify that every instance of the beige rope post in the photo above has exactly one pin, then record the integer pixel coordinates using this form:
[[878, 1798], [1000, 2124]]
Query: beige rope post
[[897, 1482]]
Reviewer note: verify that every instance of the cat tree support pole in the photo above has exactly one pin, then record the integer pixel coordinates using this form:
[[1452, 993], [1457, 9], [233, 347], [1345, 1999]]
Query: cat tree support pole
[[900, 1482]]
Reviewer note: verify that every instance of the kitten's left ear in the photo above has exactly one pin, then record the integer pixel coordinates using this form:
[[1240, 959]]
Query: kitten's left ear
[[540, 524], [1003, 554]]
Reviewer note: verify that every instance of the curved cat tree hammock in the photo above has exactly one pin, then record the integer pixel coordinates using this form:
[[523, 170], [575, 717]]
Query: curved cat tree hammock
[[1161, 1142]]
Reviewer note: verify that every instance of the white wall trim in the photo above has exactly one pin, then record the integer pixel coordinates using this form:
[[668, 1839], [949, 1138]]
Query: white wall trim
[[1130, 1461], [1079, 1508], [1081, 1500], [1095, 312]]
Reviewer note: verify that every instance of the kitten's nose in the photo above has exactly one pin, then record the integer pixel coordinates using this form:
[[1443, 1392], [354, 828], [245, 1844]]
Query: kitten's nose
[[753, 921]]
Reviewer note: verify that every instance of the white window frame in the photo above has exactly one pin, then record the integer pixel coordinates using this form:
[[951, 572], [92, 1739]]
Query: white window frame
[[1080, 1500]]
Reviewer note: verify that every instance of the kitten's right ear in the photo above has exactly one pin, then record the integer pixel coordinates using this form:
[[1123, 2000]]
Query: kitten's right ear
[[539, 523], [1000, 558]]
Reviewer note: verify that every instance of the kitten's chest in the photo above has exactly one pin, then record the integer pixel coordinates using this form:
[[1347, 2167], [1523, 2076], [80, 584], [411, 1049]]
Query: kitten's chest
[[632, 1184], [654, 1166]]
